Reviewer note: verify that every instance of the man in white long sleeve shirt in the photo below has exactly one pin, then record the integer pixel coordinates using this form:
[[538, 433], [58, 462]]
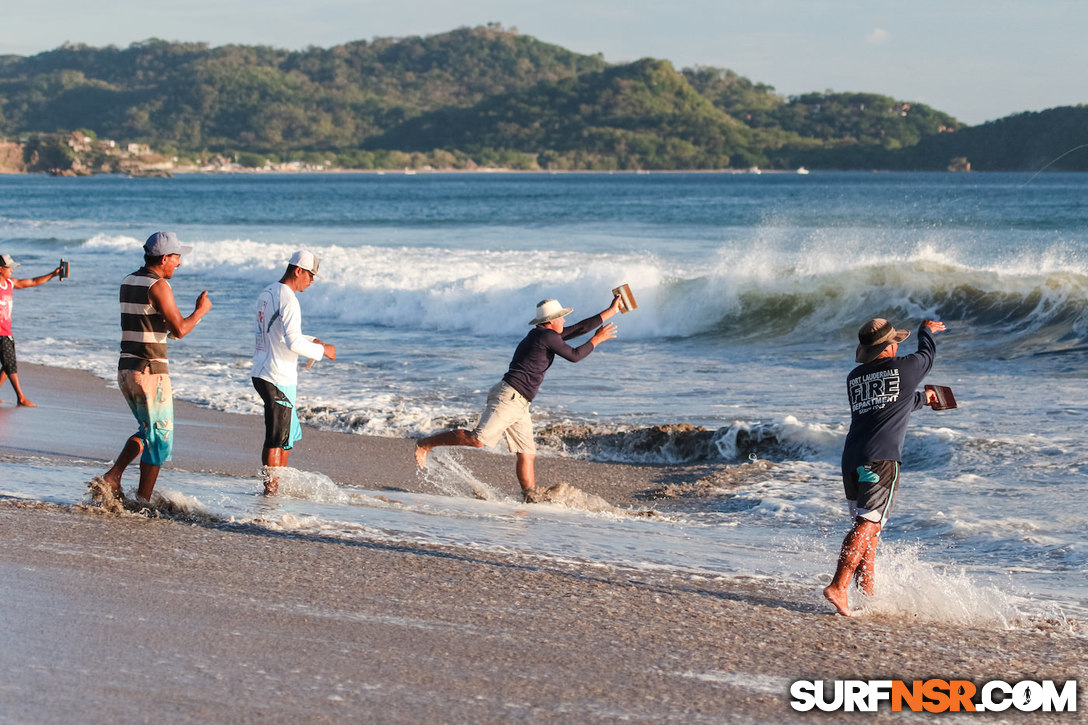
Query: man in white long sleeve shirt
[[280, 342]]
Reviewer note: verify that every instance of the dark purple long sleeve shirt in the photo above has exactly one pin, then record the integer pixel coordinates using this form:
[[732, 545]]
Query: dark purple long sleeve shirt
[[883, 393], [535, 354]]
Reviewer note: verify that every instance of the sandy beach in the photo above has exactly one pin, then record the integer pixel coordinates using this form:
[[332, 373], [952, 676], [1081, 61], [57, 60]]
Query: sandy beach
[[119, 617]]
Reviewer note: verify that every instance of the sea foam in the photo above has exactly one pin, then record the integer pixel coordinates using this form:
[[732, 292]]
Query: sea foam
[[745, 294], [912, 588]]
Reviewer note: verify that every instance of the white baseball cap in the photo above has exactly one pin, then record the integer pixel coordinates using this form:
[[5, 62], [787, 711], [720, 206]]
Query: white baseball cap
[[305, 260], [6, 260]]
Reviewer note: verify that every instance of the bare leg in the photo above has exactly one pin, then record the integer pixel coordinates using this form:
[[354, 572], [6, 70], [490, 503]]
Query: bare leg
[[3, 377], [23, 401], [273, 458], [148, 475], [459, 437], [854, 548], [526, 471], [133, 447], [865, 575]]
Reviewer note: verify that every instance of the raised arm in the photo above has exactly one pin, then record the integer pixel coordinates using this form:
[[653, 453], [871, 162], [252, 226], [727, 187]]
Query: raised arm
[[574, 354], [584, 326], [35, 281], [927, 351], [612, 309]]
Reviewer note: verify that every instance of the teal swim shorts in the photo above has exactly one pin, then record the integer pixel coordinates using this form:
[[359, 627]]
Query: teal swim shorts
[[151, 400]]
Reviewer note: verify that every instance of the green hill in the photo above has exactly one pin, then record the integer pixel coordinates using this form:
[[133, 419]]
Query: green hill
[[192, 97], [484, 95], [641, 115], [1056, 139]]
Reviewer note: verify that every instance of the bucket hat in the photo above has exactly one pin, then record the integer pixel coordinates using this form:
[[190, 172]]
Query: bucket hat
[[874, 336]]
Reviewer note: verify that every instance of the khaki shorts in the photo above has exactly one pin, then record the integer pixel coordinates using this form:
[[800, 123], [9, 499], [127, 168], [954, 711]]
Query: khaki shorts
[[507, 413]]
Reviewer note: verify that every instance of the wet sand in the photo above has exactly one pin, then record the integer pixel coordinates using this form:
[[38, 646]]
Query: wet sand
[[80, 416], [117, 617], [122, 618]]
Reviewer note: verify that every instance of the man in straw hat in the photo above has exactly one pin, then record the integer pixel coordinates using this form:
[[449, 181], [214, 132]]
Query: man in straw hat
[[507, 411], [882, 392]]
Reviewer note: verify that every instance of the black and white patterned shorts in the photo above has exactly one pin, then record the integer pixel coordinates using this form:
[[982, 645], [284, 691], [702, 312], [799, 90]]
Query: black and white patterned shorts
[[7, 355]]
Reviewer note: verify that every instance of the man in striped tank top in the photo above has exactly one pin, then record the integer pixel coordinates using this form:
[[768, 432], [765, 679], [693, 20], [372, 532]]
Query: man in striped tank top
[[148, 315]]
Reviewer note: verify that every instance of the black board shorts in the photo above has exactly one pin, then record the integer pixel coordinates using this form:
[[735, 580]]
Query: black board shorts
[[870, 490], [277, 414]]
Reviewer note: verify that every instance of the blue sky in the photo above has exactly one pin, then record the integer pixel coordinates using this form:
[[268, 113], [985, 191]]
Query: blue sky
[[976, 59]]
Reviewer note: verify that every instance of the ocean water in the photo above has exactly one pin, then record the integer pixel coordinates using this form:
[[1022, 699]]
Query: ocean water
[[751, 289]]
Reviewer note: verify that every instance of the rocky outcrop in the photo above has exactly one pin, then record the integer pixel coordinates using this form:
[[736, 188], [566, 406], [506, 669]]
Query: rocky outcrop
[[11, 158]]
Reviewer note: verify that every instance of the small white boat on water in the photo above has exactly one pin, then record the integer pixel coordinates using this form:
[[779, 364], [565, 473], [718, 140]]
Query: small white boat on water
[[802, 170], [754, 170]]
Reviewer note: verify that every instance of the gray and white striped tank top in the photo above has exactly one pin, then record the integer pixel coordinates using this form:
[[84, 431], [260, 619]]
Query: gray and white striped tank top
[[143, 328]]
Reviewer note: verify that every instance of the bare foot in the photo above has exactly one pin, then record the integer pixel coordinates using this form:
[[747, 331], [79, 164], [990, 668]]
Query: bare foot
[[271, 479], [421, 456], [115, 484], [101, 493], [24, 403], [839, 599]]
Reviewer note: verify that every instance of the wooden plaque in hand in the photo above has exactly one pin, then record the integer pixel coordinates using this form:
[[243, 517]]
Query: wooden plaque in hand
[[627, 300]]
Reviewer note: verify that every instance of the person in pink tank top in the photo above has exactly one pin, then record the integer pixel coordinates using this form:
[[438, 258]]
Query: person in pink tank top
[[8, 284]]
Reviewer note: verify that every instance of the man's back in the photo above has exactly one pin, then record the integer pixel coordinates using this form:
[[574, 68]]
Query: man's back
[[882, 394]]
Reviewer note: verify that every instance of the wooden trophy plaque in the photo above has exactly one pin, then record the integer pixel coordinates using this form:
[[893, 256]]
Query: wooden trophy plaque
[[627, 299]]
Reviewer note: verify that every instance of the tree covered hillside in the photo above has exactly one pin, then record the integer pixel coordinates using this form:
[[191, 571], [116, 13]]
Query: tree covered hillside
[[490, 96], [192, 97], [641, 115], [1056, 139]]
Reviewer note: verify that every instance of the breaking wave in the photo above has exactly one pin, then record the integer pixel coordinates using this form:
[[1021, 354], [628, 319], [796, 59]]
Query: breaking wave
[[1019, 303]]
